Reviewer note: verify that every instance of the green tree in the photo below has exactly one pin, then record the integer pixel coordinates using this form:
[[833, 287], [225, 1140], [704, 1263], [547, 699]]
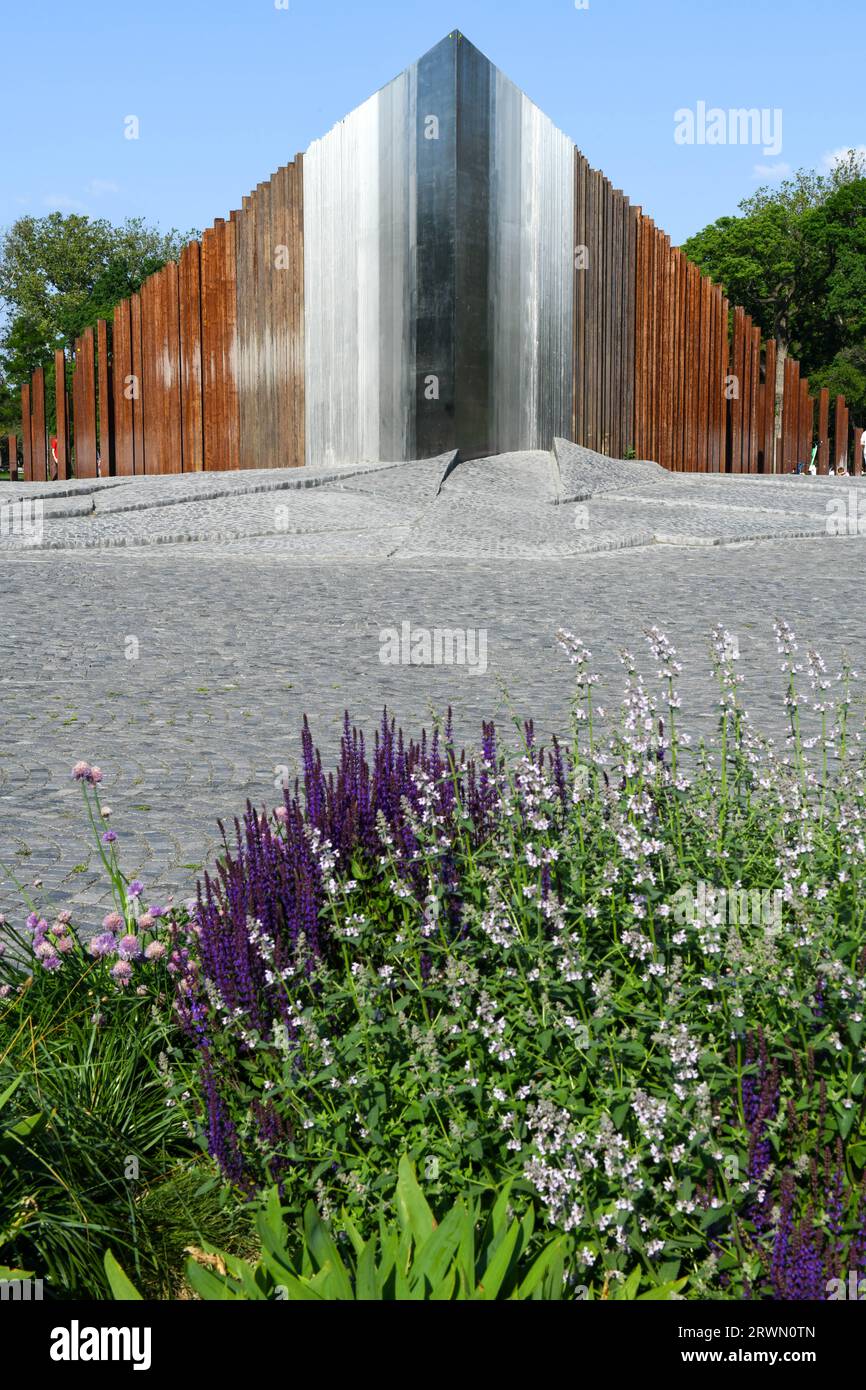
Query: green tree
[[795, 259], [58, 275]]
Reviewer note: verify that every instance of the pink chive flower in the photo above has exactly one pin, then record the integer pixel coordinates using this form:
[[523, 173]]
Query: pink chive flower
[[52, 963], [65, 945], [128, 948], [81, 772], [65, 917], [155, 951], [104, 945], [146, 921], [135, 889], [43, 950], [121, 973], [95, 775], [281, 814], [113, 922]]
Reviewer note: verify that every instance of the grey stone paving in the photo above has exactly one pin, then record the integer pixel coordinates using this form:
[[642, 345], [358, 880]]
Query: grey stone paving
[[184, 670]]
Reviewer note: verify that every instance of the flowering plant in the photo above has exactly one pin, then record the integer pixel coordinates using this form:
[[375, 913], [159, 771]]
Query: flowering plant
[[547, 968]]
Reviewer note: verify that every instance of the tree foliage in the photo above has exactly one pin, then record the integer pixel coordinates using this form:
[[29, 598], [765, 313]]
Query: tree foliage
[[58, 275], [795, 259]]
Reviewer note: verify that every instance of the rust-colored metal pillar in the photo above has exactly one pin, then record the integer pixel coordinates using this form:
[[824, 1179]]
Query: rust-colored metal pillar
[[841, 443], [807, 422], [60, 470], [25, 432], [38, 439], [106, 403], [12, 442], [824, 432]]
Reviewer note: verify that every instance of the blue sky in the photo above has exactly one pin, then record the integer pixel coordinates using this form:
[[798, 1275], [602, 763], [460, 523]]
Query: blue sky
[[227, 90]]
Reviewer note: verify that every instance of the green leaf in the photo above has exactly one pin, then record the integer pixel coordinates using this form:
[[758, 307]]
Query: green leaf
[[437, 1254], [492, 1278], [7, 1094], [413, 1212], [662, 1293], [122, 1287], [324, 1251], [541, 1267], [368, 1288]]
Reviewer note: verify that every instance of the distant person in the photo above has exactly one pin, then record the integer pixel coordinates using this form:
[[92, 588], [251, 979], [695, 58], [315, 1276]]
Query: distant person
[[813, 462], [54, 457]]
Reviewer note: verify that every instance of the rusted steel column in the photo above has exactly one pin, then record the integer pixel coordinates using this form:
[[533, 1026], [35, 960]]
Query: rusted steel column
[[25, 432], [769, 445], [807, 422], [840, 450], [84, 406], [106, 403], [137, 387], [122, 385], [189, 292], [824, 431], [858, 452], [737, 365], [12, 442], [60, 469], [38, 437]]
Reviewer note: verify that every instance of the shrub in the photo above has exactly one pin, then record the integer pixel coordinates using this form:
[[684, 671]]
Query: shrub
[[546, 969]]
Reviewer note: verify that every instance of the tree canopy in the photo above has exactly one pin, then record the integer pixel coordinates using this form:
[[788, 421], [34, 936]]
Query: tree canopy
[[58, 275], [795, 259]]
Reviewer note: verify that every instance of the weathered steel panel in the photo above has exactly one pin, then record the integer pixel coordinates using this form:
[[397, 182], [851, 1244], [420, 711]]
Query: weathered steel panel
[[106, 402], [38, 437], [60, 469], [27, 472], [824, 431], [136, 386], [189, 295], [122, 382], [84, 406]]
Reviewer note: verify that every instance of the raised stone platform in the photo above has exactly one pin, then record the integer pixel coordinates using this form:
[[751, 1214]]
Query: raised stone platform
[[534, 504]]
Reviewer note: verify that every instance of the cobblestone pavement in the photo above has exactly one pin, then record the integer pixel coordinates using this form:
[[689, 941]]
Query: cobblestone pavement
[[184, 670]]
